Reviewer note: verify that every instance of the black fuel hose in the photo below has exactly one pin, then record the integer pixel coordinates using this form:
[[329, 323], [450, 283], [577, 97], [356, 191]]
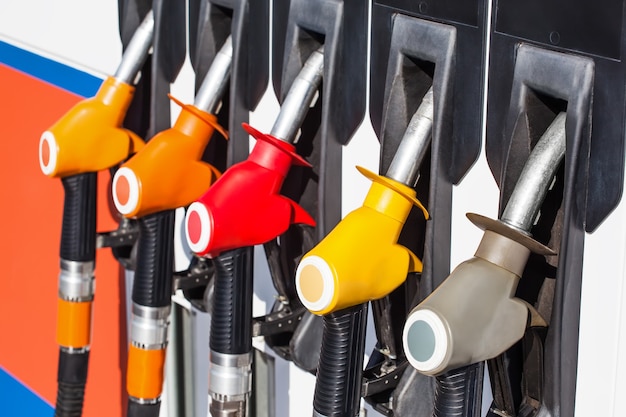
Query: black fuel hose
[[458, 392], [231, 318], [78, 244], [340, 369]]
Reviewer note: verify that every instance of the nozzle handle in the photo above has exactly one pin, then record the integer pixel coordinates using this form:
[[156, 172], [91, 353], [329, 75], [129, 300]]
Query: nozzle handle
[[458, 392], [78, 230], [71, 378], [339, 373], [231, 318], [152, 286]]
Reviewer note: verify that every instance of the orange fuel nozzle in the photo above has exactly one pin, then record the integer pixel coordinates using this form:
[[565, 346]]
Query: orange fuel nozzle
[[360, 259], [168, 172], [89, 137]]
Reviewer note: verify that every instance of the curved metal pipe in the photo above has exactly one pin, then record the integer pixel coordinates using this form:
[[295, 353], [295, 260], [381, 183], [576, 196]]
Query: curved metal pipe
[[137, 51], [406, 162], [536, 177], [299, 98], [210, 93]]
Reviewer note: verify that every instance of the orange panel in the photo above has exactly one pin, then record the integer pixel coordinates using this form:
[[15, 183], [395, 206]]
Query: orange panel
[[29, 249]]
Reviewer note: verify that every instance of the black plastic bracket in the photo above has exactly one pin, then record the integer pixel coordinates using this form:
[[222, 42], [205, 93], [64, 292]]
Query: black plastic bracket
[[210, 23], [122, 241], [544, 82], [594, 31], [416, 45]]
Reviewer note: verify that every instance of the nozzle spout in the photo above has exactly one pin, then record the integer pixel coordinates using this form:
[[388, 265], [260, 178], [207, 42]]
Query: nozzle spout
[[299, 98], [137, 51]]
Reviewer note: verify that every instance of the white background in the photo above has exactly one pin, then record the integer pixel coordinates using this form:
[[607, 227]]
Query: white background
[[84, 34]]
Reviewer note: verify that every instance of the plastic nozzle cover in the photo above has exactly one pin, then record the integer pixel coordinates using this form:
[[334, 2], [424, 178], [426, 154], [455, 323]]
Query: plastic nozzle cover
[[473, 315], [168, 172], [360, 259], [89, 137], [244, 206]]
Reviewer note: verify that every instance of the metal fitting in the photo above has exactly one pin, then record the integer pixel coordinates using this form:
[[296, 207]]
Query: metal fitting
[[209, 95], [219, 408], [230, 376], [406, 162], [137, 51], [536, 178], [76, 281], [149, 326], [144, 401], [299, 98], [74, 351]]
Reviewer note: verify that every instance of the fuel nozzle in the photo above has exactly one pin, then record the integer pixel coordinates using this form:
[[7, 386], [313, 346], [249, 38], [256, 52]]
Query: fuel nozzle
[[90, 136], [168, 172], [244, 207], [360, 259], [474, 315]]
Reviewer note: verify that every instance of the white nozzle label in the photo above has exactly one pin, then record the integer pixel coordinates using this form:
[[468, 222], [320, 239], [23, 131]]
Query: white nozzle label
[[125, 190], [425, 340], [197, 227], [47, 153], [315, 283]]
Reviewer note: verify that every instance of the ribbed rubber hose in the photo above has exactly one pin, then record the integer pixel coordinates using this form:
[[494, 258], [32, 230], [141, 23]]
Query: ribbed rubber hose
[[340, 370], [71, 378], [78, 243], [78, 231], [457, 391], [231, 318], [152, 286]]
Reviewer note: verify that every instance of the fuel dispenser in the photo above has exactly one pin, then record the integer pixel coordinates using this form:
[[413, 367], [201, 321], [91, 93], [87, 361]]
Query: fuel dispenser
[[210, 24], [300, 27], [87, 139], [168, 173], [417, 46]]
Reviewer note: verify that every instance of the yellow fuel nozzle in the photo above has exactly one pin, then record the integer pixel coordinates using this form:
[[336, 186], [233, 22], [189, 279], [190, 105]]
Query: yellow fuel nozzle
[[360, 259], [90, 137]]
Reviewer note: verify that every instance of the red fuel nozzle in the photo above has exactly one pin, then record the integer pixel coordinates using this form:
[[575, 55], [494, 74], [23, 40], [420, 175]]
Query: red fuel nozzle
[[244, 207], [167, 173]]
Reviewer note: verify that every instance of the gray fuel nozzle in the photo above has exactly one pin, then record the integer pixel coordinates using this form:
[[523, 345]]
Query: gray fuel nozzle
[[474, 315]]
